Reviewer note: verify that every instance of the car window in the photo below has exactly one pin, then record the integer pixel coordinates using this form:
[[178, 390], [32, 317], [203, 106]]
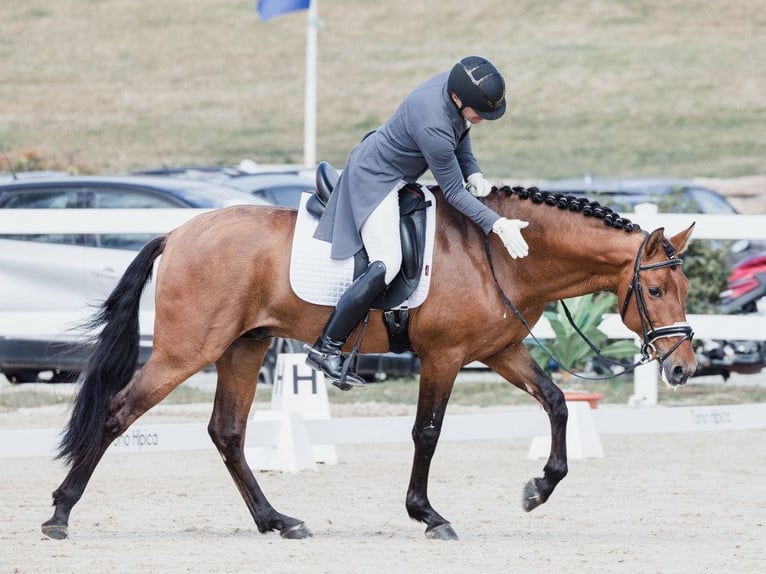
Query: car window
[[131, 241], [289, 196], [40, 199], [128, 199], [43, 199], [709, 202], [110, 198]]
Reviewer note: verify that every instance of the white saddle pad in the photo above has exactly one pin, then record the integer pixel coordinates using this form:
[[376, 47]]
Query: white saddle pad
[[317, 278]]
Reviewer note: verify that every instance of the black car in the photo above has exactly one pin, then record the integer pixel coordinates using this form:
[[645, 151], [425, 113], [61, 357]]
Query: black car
[[623, 194], [277, 185], [278, 188]]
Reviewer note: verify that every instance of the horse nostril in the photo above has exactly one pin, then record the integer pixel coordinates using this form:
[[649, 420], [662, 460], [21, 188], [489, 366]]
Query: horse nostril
[[679, 375]]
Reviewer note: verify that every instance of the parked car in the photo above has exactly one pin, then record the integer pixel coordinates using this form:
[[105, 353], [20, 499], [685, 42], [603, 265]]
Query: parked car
[[623, 194], [279, 186], [55, 276]]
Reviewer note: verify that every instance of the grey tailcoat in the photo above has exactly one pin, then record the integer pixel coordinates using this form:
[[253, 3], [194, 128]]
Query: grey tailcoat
[[426, 132]]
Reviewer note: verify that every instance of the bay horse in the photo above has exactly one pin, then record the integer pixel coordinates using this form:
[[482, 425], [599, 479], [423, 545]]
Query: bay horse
[[223, 292]]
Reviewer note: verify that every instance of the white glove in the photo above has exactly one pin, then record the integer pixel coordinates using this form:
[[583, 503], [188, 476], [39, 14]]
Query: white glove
[[509, 231], [477, 185]]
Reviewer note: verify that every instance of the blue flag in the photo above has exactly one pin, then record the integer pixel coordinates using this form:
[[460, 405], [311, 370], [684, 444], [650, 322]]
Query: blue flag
[[268, 9]]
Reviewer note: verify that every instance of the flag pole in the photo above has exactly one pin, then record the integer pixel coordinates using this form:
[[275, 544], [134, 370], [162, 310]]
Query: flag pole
[[310, 99]]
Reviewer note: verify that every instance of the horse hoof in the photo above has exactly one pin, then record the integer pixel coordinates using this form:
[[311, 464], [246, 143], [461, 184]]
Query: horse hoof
[[530, 498], [297, 532], [441, 532], [55, 531]]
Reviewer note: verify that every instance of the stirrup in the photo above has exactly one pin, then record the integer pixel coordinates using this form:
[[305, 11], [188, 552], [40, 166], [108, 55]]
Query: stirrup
[[347, 378]]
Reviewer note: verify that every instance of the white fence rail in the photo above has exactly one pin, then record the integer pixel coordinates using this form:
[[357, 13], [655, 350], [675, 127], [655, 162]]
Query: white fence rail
[[30, 221], [753, 227]]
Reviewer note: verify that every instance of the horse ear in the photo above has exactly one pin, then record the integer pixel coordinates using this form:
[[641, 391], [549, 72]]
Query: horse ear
[[654, 242], [681, 240]]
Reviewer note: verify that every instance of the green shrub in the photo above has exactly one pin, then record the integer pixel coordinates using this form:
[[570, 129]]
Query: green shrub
[[707, 267]]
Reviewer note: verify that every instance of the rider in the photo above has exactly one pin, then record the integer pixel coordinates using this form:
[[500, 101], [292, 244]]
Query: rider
[[429, 130]]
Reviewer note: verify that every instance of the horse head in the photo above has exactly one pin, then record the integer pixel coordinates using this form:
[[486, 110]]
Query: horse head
[[653, 304]]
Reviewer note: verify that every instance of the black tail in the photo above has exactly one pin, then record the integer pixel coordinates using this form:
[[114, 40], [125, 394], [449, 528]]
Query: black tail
[[113, 360]]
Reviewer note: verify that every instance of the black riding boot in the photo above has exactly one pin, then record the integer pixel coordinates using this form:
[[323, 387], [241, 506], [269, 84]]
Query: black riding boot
[[352, 306]]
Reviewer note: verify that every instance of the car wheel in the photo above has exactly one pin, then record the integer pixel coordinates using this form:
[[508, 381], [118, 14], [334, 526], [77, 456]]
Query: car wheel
[[18, 377]]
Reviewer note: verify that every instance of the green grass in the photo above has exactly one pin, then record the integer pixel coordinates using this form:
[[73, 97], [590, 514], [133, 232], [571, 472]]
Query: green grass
[[488, 394], [481, 393], [21, 398], [618, 87]]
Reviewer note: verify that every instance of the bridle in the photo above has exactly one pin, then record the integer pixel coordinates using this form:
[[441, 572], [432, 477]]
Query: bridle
[[649, 333]]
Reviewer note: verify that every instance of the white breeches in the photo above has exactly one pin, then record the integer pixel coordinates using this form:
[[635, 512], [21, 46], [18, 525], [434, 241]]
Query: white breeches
[[381, 236]]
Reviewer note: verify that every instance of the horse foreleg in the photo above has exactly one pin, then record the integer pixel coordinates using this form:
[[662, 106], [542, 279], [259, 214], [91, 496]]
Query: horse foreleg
[[435, 390], [237, 378], [516, 366]]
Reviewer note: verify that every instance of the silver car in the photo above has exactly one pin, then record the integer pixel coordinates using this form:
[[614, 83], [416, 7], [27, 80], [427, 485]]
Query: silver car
[[50, 282]]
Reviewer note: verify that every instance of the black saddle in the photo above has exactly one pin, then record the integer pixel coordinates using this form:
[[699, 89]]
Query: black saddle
[[412, 226]]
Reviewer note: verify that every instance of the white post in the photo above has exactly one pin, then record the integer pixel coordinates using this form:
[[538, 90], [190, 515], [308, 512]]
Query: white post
[[310, 103], [645, 380]]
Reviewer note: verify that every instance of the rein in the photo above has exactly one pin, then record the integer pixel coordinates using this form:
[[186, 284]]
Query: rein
[[649, 333]]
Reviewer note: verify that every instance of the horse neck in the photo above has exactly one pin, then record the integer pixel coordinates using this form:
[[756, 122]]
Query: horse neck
[[570, 254]]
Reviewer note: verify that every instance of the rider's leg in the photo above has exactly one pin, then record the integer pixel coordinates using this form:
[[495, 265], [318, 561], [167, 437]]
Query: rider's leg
[[382, 240], [352, 306]]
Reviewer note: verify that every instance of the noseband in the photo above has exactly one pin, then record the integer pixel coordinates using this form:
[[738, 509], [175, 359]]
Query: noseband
[[649, 332]]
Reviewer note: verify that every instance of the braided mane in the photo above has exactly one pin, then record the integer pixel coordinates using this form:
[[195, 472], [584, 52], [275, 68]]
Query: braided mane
[[569, 202]]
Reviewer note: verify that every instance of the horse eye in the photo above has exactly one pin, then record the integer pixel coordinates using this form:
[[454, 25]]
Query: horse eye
[[655, 291]]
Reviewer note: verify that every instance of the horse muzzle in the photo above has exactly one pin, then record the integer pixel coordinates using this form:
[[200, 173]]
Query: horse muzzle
[[675, 367]]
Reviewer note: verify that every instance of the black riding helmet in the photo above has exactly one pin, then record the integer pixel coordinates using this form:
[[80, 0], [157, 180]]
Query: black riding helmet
[[479, 85]]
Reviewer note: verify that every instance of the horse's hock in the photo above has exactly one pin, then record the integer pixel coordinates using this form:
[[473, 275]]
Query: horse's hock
[[583, 440]]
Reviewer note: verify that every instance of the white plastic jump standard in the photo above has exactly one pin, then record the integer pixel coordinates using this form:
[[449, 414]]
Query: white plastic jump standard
[[299, 394], [583, 440]]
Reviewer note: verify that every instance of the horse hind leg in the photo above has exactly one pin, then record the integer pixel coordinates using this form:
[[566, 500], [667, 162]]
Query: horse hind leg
[[237, 379], [66, 496], [152, 383]]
